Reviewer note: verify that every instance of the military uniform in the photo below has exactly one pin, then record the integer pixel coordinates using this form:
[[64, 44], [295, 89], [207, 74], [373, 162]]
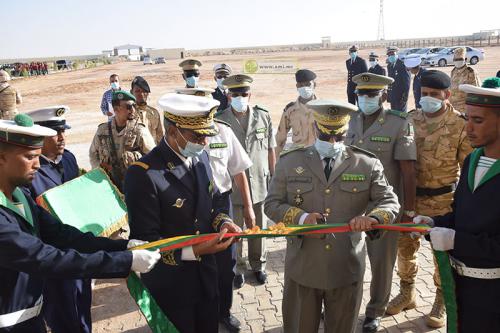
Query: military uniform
[[377, 69], [150, 117], [417, 93], [220, 93], [354, 67], [463, 75], [9, 97], [399, 90], [327, 270]]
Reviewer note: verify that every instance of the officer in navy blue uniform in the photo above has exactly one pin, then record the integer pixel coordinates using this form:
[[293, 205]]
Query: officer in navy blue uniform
[[375, 67], [471, 231], [412, 64], [36, 245], [355, 65], [171, 192], [221, 72], [66, 302], [399, 90]]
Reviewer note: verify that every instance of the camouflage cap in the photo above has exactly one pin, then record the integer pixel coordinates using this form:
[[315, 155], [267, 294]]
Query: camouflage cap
[[331, 116], [459, 53]]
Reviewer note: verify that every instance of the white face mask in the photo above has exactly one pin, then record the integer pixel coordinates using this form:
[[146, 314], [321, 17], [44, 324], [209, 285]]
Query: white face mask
[[459, 63], [373, 63], [219, 84], [328, 149], [306, 92], [239, 103], [430, 104]]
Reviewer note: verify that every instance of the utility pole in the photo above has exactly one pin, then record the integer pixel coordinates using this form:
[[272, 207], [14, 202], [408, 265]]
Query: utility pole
[[381, 32]]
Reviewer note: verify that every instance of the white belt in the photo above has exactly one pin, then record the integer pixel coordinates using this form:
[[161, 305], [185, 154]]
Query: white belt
[[13, 318], [477, 273]]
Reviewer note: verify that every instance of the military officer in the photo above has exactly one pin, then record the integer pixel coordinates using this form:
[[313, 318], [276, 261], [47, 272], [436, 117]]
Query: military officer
[[389, 135], [375, 67], [412, 64], [398, 91], [121, 141], [470, 232], [147, 114], [36, 245], [442, 146], [328, 182], [228, 160], [355, 65], [9, 97], [221, 72], [296, 116], [461, 74], [190, 72], [253, 128], [171, 192]]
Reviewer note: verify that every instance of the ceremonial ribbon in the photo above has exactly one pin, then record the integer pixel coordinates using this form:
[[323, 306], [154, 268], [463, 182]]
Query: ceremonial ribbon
[[159, 323]]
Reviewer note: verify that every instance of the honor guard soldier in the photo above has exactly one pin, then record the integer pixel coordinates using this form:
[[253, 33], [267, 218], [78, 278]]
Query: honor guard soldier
[[461, 74], [191, 72], [389, 135], [442, 146], [412, 64], [398, 91], [221, 72], [171, 192], [355, 65], [375, 67], [297, 116], [228, 160], [120, 141], [36, 245], [328, 182], [253, 128], [470, 231], [9, 97], [57, 166], [147, 114]]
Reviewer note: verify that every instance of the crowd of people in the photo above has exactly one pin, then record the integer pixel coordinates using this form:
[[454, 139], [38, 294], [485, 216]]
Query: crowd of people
[[30, 69], [207, 162]]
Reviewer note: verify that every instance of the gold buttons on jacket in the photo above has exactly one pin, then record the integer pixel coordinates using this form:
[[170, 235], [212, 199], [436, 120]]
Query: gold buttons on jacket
[[197, 232], [328, 247], [328, 210], [355, 189], [327, 191], [360, 141]]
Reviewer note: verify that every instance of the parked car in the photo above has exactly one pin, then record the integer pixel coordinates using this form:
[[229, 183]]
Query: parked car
[[427, 51], [403, 53], [445, 56], [64, 64], [147, 61], [160, 60]]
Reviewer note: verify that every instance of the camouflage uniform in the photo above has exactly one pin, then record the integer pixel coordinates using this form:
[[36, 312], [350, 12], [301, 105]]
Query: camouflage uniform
[[131, 143], [298, 117], [462, 75], [150, 117], [9, 98]]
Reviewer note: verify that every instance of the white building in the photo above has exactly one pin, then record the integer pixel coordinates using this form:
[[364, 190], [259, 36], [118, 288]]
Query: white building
[[132, 52]]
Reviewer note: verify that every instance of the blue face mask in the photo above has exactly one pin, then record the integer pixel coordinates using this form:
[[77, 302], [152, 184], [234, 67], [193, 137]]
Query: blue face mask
[[431, 104], [115, 85], [328, 149], [368, 105], [392, 59], [192, 81], [353, 55], [191, 149]]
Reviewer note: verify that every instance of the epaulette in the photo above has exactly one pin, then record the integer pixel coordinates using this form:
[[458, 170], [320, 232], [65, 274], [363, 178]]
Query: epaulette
[[288, 105], [141, 164], [412, 111], [400, 114], [463, 116], [470, 69], [294, 148], [103, 124], [356, 148], [222, 122], [261, 108]]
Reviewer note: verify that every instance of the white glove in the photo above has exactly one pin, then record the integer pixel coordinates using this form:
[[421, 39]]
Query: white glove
[[143, 260], [135, 242], [421, 219], [442, 239]]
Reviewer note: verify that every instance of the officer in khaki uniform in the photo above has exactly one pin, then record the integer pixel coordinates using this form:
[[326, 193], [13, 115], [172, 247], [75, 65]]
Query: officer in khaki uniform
[[461, 74], [253, 128], [297, 116], [191, 72], [121, 141], [328, 182], [441, 149], [147, 114], [9, 97], [389, 135]]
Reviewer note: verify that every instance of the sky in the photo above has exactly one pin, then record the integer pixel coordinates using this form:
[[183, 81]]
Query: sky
[[34, 28]]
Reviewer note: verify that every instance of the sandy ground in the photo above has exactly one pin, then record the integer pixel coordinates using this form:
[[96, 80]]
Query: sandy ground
[[82, 90]]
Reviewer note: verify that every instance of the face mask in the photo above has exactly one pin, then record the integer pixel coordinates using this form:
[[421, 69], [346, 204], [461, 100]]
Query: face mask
[[392, 59], [459, 63], [192, 81], [430, 104], [368, 105], [115, 85], [239, 104], [373, 63], [306, 92], [191, 149], [219, 84], [353, 55], [328, 149]]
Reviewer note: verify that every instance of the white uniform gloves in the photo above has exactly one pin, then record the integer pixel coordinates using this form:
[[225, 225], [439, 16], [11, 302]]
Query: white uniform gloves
[[442, 239], [142, 260]]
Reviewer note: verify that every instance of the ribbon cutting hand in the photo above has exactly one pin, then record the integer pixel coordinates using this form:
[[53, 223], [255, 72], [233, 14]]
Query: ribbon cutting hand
[[442, 239], [362, 223]]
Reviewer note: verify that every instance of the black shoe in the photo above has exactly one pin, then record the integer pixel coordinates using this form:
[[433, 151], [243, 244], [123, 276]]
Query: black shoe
[[261, 277], [239, 281], [371, 325], [231, 323]]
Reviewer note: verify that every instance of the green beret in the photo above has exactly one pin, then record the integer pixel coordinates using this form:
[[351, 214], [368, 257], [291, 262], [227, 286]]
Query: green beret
[[122, 95]]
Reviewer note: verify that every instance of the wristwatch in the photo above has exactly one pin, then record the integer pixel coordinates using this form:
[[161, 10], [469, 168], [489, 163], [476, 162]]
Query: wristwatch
[[409, 213]]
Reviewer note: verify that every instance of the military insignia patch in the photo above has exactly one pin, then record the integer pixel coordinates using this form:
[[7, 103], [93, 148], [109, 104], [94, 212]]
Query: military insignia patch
[[179, 203], [350, 177], [60, 112], [120, 96], [218, 145], [298, 200], [170, 165], [380, 138], [333, 110], [299, 170], [260, 130], [365, 78], [238, 78]]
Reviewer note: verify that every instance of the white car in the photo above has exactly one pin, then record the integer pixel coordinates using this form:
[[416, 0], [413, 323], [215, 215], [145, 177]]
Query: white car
[[445, 56], [147, 61]]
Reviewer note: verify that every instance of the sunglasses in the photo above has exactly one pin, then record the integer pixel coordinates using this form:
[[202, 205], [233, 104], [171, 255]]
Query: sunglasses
[[236, 94], [131, 106]]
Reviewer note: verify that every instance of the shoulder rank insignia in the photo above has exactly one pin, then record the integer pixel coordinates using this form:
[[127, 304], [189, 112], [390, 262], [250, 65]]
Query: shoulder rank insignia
[[380, 138], [217, 120], [291, 149], [261, 108], [400, 114], [288, 105], [170, 166], [179, 203], [350, 177], [218, 145], [299, 170], [141, 164], [356, 148]]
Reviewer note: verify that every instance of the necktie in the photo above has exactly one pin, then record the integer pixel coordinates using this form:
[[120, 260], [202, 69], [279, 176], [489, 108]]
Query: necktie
[[327, 168]]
